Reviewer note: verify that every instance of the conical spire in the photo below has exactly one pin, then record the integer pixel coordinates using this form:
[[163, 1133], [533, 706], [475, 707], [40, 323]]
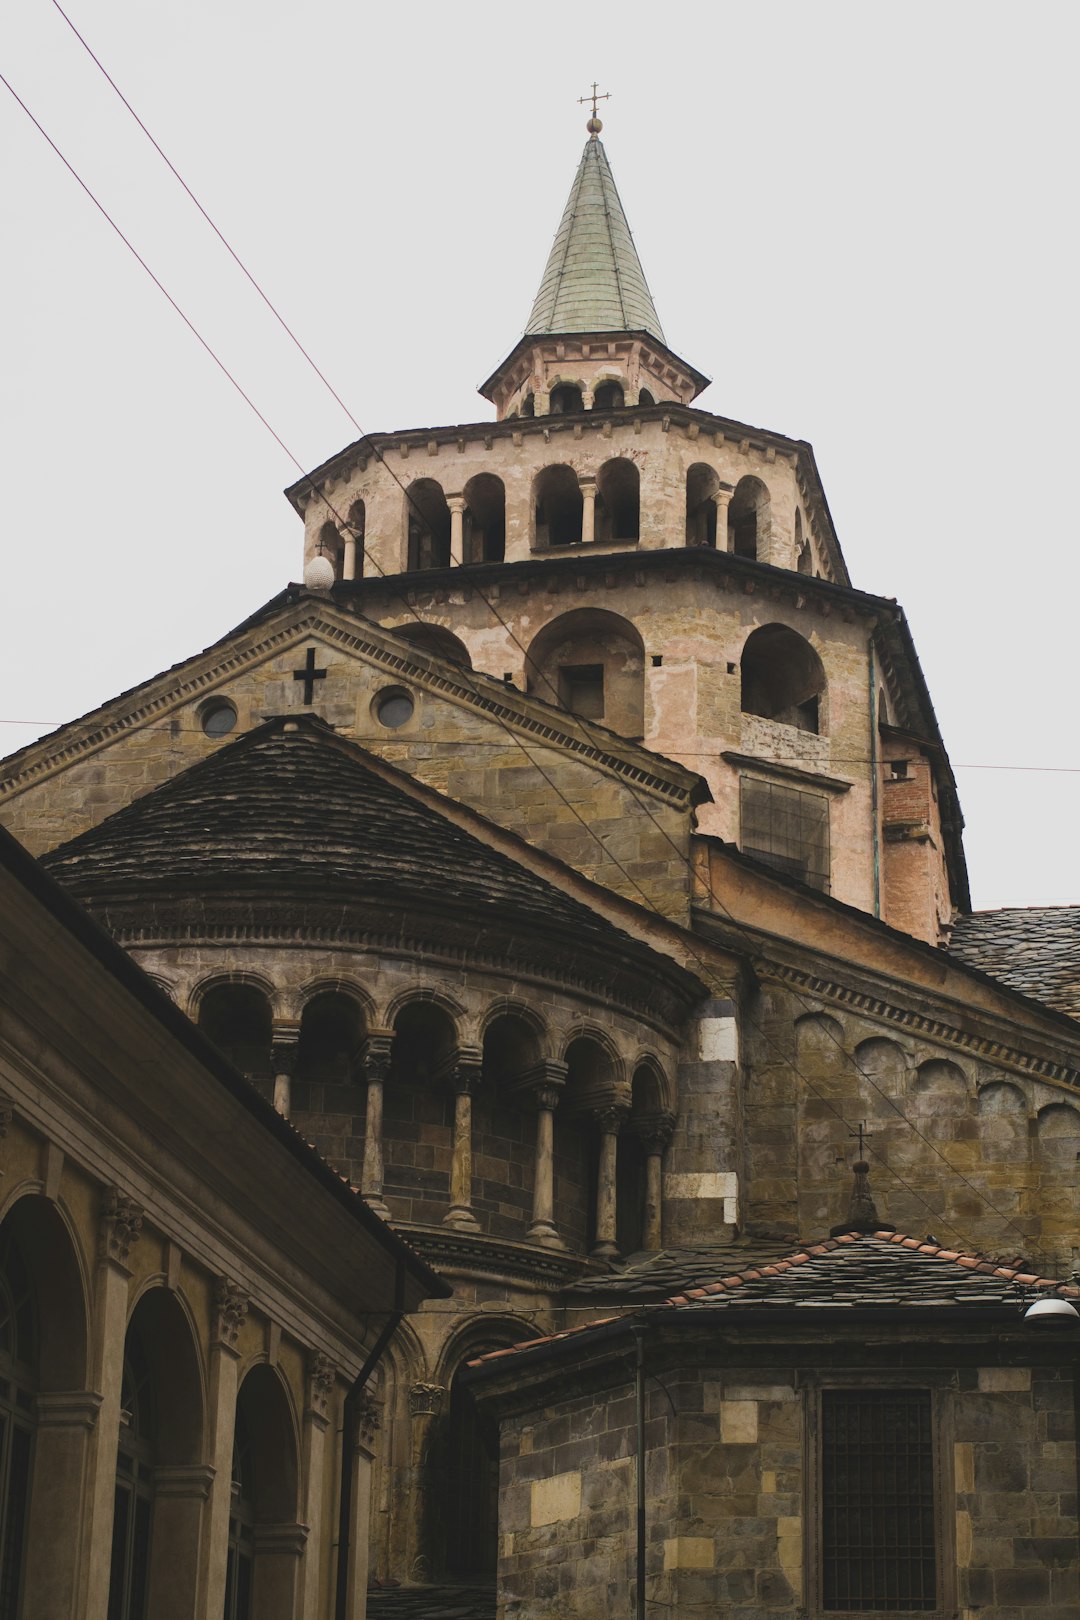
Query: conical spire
[[593, 281]]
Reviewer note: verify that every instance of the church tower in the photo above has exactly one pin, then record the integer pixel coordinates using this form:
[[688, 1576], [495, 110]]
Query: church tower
[[663, 573]]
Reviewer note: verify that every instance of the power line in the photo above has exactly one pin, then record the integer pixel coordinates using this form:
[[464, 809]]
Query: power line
[[516, 739]]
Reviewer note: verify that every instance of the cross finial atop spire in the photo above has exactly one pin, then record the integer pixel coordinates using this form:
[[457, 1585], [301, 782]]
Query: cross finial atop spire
[[593, 124]]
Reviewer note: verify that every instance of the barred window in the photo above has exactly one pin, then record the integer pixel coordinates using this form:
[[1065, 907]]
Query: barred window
[[787, 829], [878, 1537]]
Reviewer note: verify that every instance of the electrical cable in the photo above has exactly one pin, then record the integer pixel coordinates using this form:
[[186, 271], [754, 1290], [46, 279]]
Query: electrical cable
[[646, 901]]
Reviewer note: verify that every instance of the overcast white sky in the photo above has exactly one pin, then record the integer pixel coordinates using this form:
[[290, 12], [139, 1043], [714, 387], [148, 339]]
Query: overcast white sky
[[859, 219]]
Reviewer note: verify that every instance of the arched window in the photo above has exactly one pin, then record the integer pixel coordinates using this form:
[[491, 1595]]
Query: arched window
[[331, 1032], [609, 396], [748, 518], [485, 519], [18, 1362], [592, 663], [133, 1507], [783, 679], [645, 398], [528, 405], [331, 546], [427, 518], [155, 1543], [505, 1123], [618, 500], [435, 638], [589, 1085], [558, 505], [702, 483], [566, 400], [804, 562], [240, 1569], [236, 1017]]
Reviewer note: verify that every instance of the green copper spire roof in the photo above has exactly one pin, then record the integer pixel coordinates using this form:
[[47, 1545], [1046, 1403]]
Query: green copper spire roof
[[593, 281]]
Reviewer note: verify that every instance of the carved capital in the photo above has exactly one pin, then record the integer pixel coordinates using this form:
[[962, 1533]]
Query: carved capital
[[231, 1306], [610, 1118], [542, 1081], [121, 1224], [368, 1419], [375, 1056], [547, 1097], [425, 1400], [321, 1376], [462, 1069], [283, 1051], [654, 1130]]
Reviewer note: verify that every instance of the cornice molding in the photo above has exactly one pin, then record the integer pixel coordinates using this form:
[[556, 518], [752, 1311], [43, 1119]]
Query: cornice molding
[[455, 1252], [1001, 1053]]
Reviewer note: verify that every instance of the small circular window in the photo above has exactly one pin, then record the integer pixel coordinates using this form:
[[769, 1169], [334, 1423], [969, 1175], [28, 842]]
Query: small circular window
[[218, 717], [394, 708]]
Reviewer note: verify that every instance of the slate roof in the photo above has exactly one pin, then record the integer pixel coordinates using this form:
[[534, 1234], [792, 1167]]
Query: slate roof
[[593, 280], [1033, 949], [656, 1274], [472, 1602], [883, 1271], [291, 809]]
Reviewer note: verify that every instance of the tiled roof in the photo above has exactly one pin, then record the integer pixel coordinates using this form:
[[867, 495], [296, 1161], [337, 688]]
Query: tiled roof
[[593, 281], [1033, 949], [292, 810], [879, 1270]]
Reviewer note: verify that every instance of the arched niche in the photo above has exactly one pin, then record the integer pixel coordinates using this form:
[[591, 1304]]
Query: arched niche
[[157, 1518], [783, 679], [618, 500], [645, 397], [418, 1113], [43, 1355], [484, 519], [804, 562], [427, 525], [511, 1048], [882, 1071], [1003, 1121], [264, 1537], [940, 1087], [528, 405], [237, 1018], [702, 483], [462, 1460], [557, 507], [594, 1079], [332, 547], [609, 395], [592, 663], [749, 518], [648, 1106], [436, 639], [1057, 1128], [566, 399], [505, 1125]]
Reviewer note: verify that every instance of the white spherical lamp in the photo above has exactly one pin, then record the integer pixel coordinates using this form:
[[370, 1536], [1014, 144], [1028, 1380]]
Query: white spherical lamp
[[319, 574]]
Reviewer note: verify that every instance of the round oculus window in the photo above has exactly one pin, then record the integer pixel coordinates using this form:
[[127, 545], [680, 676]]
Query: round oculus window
[[394, 709], [218, 717]]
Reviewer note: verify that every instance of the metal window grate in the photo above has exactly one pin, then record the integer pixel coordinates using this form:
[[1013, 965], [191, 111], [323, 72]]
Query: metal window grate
[[788, 829], [878, 1536]]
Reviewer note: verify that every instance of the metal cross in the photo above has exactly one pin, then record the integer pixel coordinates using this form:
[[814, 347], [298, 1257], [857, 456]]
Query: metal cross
[[309, 675], [863, 1134], [594, 98]]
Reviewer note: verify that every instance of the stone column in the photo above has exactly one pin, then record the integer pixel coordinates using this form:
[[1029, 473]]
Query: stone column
[[609, 1119], [587, 398], [588, 510], [121, 1224], [230, 1312], [348, 564], [544, 1083], [464, 1075], [722, 500], [181, 1491], [65, 1425], [284, 1045], [425, 1403], [367, 1424], [375, 1058], [655, 1133], [456, 503]]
